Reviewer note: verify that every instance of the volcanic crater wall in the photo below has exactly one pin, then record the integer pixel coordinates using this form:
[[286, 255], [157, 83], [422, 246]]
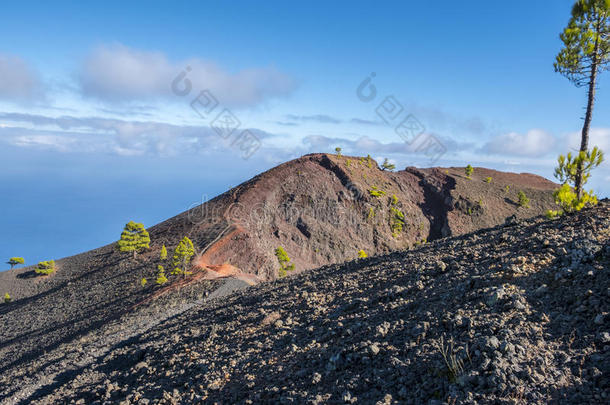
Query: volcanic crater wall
[[325, 208]]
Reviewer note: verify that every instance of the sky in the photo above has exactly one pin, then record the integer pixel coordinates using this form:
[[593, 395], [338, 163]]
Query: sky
[[118, 111]]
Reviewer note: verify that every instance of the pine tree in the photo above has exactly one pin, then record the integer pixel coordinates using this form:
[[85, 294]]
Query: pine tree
[[13, 261], [386, 165], [468, 170], [338, 150], [134, 238], [163, 254], [585, 55], [182, 256]]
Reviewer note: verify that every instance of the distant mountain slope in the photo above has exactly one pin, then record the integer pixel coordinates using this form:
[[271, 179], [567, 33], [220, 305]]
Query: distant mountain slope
[[512, 314], [321, 210]]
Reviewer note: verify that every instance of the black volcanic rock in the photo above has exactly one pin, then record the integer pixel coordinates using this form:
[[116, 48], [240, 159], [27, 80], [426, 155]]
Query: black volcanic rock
[[514, 313]]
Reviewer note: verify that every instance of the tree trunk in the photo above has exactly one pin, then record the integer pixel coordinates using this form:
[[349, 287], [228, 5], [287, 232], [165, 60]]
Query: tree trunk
[[584, 141]]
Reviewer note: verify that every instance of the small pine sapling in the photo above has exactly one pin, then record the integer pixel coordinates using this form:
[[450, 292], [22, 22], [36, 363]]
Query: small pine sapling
[[7, 298], [468, 170], [522, 200], [182, 256], [161, 279], [284, 261], [362, 254]]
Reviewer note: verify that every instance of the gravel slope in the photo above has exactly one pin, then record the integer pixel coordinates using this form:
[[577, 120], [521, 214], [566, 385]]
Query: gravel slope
[[513, 314]]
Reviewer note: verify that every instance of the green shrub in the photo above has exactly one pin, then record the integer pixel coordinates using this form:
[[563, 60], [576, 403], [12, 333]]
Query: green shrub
[[371, 213], [567, 172], [338, 150], [552, 214], [163, 254], [284, 261], [13, 261], [487, 179], [394, 200], [522, 200], [468, 170], [397, 221], [46, 267], [369, 161], [507, 188], [566, 198], [567, 166], [362, 254], [374, 192], [143, 282], [7, 298]]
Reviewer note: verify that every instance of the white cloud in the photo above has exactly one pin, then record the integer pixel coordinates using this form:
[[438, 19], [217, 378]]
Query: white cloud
[[112, 136], [535, 143], [118, 73], [18, 82]]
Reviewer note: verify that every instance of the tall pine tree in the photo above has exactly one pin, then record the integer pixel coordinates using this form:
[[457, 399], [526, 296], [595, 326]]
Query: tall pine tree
[[585, 55]]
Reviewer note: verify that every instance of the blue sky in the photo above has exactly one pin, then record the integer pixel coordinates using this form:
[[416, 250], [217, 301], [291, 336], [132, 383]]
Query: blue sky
[[92, 135]]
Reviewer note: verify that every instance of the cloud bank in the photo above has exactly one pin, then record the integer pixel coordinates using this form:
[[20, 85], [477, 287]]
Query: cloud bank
[[535, 143], [118, 73], [113, 136]]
